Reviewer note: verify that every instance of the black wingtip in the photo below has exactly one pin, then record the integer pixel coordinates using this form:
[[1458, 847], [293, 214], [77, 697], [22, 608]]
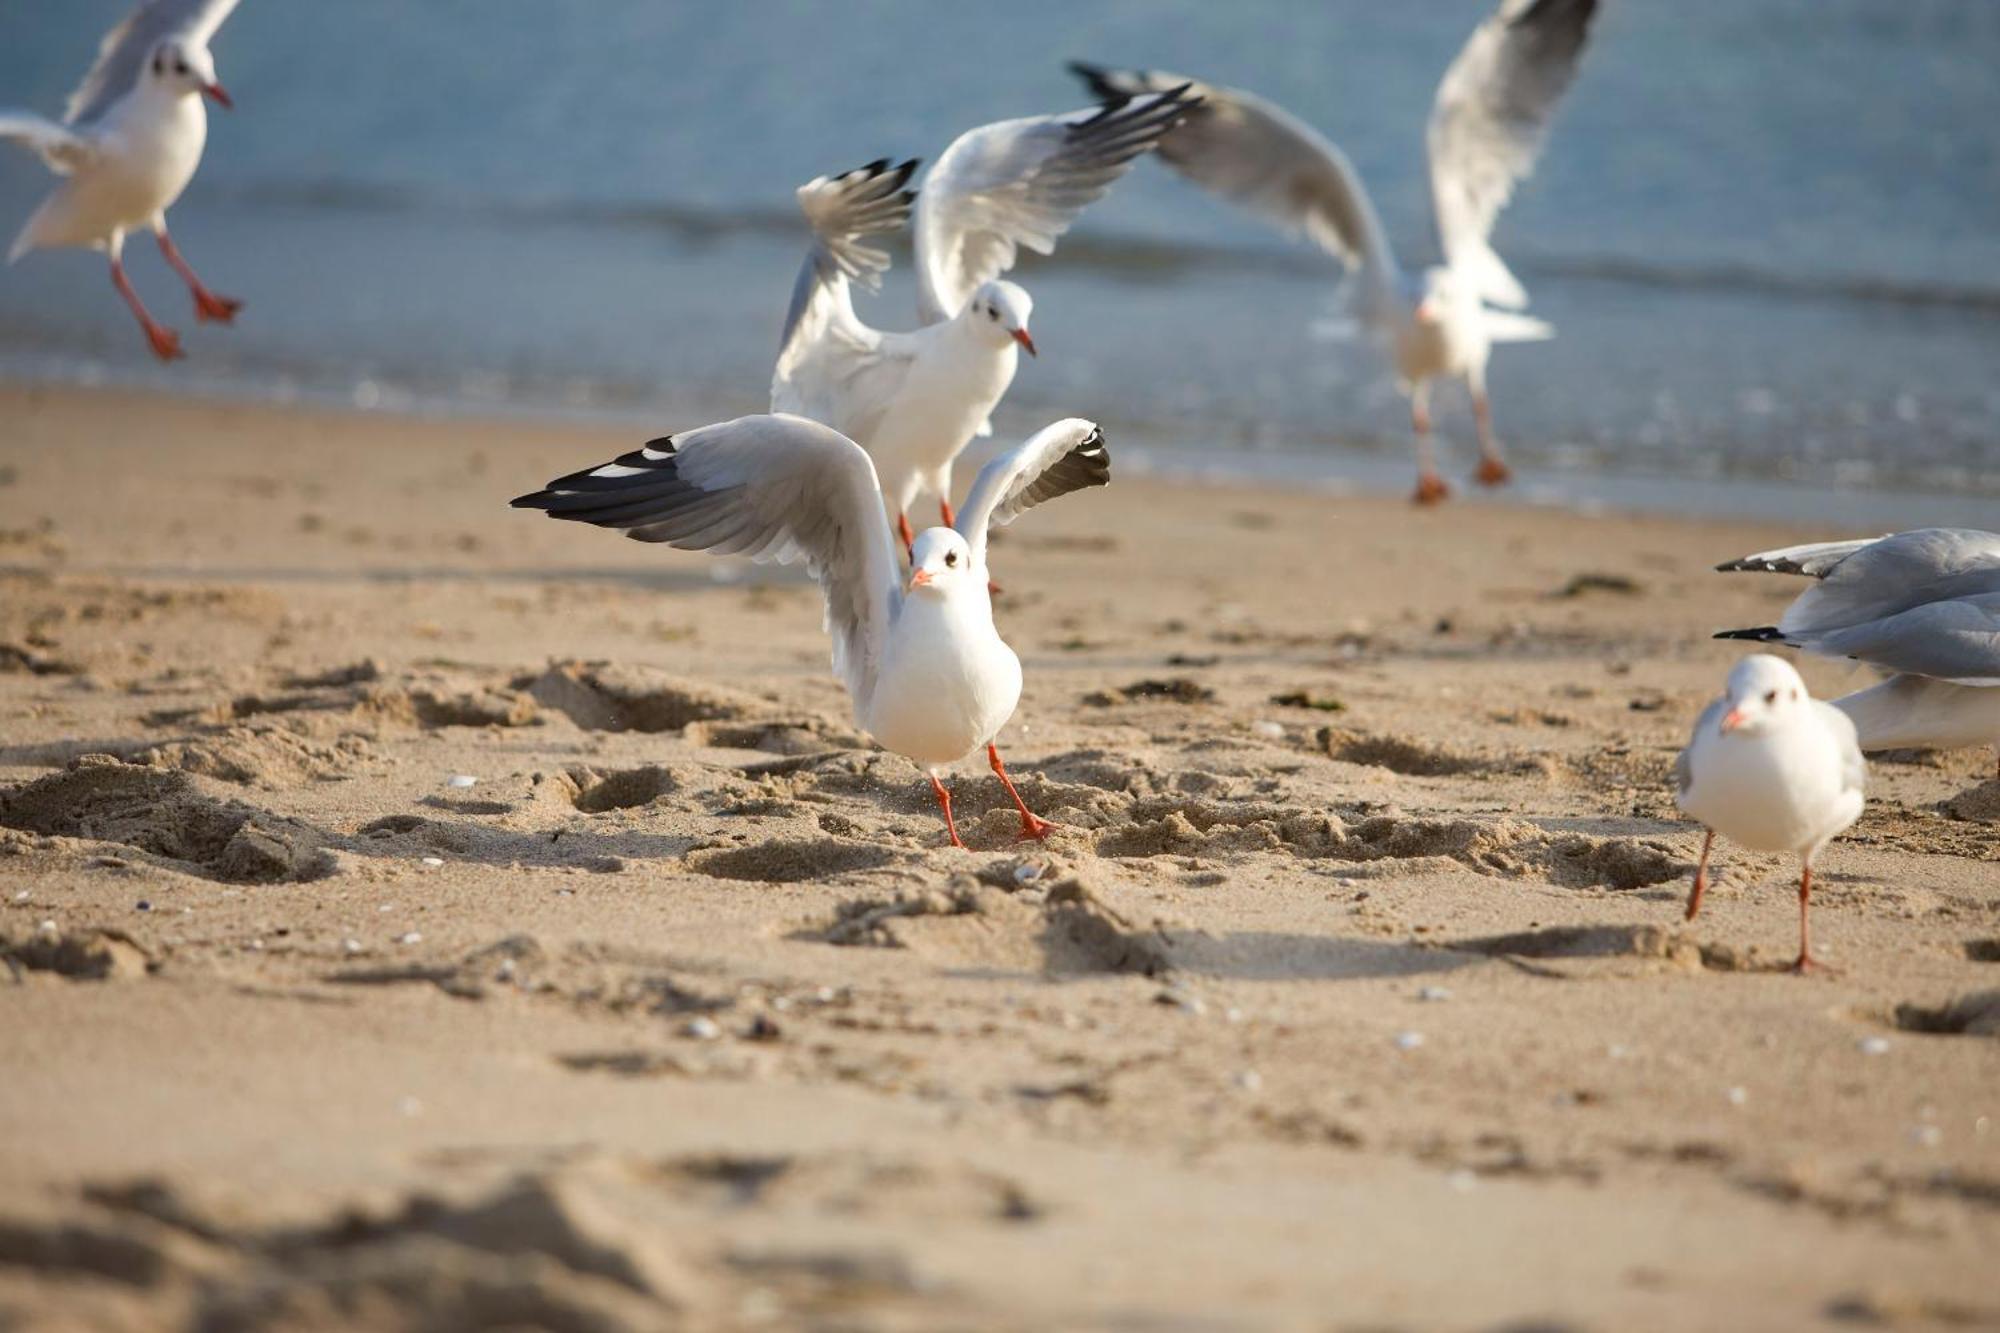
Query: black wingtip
[[1098, 79], [1761, 634]]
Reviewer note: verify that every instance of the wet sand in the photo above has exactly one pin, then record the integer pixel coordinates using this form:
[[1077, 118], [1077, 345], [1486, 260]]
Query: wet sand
[[1352, 991]]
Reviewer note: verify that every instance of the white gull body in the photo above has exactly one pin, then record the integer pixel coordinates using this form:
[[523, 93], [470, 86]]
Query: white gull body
[[130, 141], [1922, 605], [1774, 769], [927, 673], [915, 400], [1487, 123]]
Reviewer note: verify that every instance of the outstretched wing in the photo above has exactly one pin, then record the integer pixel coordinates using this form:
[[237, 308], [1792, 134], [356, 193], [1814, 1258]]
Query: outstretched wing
[[61, 148], [844, 210], [1925, 602], [1068, 456], [831, 366], [1256, 154], [125, 48], [1022, 182], [1814, 560], [1487, 124], [773, 488]]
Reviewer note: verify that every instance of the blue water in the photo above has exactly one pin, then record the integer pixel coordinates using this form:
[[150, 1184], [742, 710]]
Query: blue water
[[1768, 230]]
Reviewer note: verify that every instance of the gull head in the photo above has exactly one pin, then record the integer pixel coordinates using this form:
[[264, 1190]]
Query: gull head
[[941, 563], [1435, 299], [1763, 694], [187, 70], [1001, 308]]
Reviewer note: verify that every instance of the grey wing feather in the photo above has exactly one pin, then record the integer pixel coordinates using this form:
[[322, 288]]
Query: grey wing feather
[[844, 211], [125, 48], [1813, 560], [1022, 182], [1957, 640], [1067, 456], [1259, 156], [1895, 574], [1684, 761], [777, 489], [61, 148], [1488, 122]]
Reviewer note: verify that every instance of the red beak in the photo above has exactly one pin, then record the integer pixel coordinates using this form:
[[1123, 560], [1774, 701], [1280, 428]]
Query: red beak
[[1021, 337], [919, 577], [1731, 720], [220, 94]]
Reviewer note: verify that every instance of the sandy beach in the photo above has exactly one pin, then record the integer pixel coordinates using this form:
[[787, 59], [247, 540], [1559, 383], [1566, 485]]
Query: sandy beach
[[1353, 991]]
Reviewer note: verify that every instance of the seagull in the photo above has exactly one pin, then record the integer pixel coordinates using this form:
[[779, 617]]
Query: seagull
[[1773, 768], [1922, 605], [129, 142], [929, 676], [915, 400], [1491, 113]]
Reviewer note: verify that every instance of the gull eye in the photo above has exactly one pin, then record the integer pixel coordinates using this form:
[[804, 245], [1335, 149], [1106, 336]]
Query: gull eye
[[951, 559], [158, 66], [993, 312], [1770, 696]]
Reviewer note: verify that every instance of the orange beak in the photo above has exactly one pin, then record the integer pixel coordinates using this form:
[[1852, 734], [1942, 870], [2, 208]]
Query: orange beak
[[220, 94], [919, 577], [1021, 337], [1731, 720]]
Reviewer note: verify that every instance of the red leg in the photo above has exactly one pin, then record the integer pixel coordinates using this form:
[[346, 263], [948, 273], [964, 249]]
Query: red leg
[[944, 804], [1431, 486], [1700, 876], [909, 538], [1031, 827], [166, 343], [1806, 963], [207, 305], [944, 509], [1493, 469]]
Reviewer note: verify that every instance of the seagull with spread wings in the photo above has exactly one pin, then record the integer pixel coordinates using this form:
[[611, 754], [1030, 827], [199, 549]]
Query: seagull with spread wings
[[1923, 606], [1487, 124], [929, 675], [915, 400], [128, 144]]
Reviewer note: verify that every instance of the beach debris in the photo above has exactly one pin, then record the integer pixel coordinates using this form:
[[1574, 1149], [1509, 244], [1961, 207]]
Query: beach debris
[[1270, 731], [1618, 584], [1323, 703], [1433, 994], [702, 1028], [461, 781], [1409, 1041], [433, 860], [410, 937], [1873, 1045]]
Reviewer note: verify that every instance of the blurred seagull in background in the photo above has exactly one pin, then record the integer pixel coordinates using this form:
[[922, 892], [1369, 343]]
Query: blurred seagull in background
[[129, 142], [1487, 124], [915, 400], [1922, 605], [929, 676], [1774, 769]]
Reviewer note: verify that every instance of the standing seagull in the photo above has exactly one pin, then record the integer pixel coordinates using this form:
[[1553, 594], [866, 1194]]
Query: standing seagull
[[929, 676], [915, 400], [1773, 768], [1487, 124], [1922, 605], [130, 140]]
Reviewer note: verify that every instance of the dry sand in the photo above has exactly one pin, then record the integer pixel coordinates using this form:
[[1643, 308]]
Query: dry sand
[[1369, 1010]]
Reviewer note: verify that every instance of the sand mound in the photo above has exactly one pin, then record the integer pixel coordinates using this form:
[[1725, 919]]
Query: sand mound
[[1411, 758], [1070, 931], [1974, 1015], [789, 860], [1561, 943], [165, 814], [83, 955], [606, 696], [265, 756]]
